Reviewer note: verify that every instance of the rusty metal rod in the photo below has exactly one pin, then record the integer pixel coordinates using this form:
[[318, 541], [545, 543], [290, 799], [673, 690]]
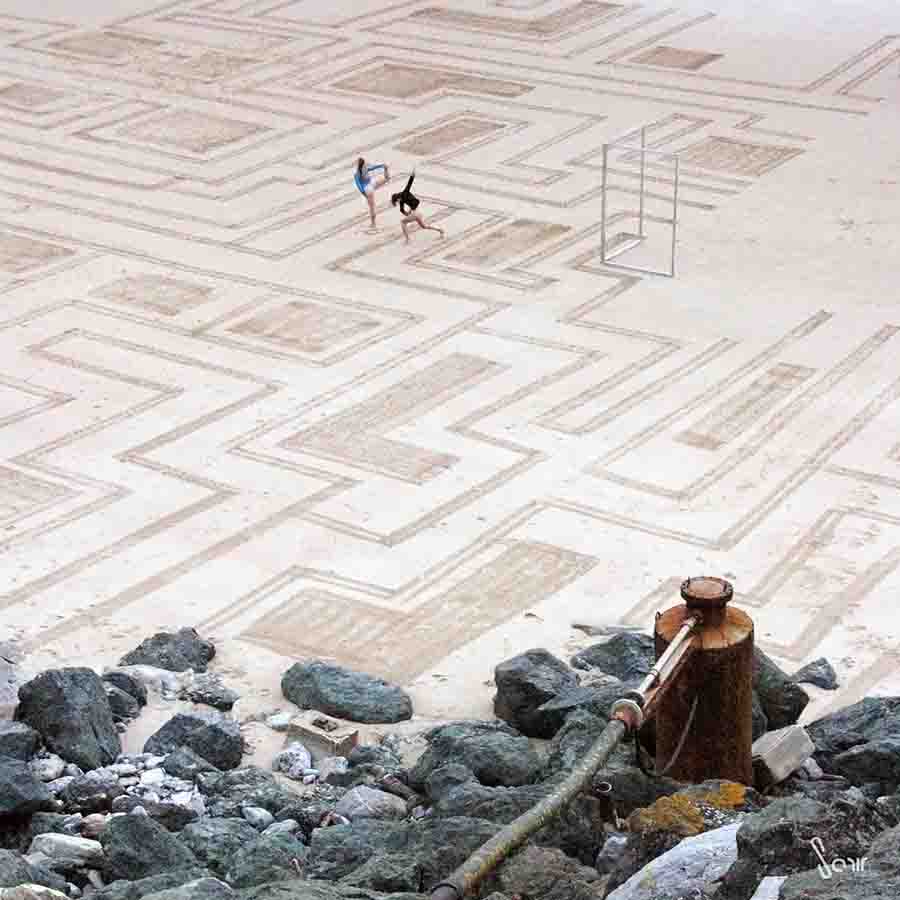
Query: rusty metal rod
[[627, 716], [484, 860], [667, 662]]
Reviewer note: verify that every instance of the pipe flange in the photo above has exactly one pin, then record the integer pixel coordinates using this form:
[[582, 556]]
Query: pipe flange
[[629, 712]]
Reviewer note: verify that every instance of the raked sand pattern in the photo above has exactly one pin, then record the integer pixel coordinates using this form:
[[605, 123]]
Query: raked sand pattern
[[225, 404]]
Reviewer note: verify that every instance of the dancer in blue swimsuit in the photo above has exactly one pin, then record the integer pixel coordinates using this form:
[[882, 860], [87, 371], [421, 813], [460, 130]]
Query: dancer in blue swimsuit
[[367, 185]]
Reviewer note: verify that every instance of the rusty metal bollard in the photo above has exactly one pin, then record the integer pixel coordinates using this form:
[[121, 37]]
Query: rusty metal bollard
[[716, 685]]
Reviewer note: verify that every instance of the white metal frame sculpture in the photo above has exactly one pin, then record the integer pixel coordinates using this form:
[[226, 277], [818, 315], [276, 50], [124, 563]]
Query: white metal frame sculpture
[[609, 253]]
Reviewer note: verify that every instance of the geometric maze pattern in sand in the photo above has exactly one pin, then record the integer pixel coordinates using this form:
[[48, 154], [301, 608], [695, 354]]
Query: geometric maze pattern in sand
[[226, 404], [677, 58]]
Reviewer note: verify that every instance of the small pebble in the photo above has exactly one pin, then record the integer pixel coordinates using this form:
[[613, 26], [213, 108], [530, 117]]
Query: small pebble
[[279, 721]]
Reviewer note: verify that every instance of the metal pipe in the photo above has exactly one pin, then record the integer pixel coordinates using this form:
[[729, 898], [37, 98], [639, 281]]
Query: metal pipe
[[669, 660], [484, 860]]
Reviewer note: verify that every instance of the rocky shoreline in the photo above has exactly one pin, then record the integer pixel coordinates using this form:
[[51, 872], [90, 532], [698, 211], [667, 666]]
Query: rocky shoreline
[[189, 818]]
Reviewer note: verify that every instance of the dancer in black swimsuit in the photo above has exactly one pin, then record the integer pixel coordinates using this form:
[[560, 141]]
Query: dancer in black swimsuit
[[409, 203]]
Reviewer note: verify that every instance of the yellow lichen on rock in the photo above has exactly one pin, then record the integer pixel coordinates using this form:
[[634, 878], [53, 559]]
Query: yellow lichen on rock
[[729, 795], [677, 814]]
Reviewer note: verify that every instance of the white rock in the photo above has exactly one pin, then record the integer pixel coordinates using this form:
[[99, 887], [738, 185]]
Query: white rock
[[811, 769], [368, 803], [72, 824], [685, 869], [93, 825], [123, 769], [293, 760], [285, 826], [258, 817], [332, 765], [769, 888], [73, 771], [68, 853], [58, 785], [611, 852], [48, 767], [153, 776], [279, 721], [191, 799], [30, 892], [176, 785]]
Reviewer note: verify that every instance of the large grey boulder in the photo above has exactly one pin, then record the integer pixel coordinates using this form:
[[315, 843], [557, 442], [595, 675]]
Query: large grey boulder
[[782, 700], [336, 851], [777, 840], [877, 878], [186, 764], [209, 689], [314, 890], [369, 803], [875, 762], [547, 874], [271, 857], [16, 870], [200, 889], [212, 736], [177, 652], [124, 707], [125, 681], [435, 846], [492, 751], [871, 719], [819, 672], [143, 887], [68, 707], [215, 842], [68, 854], [524, 683], [21, 793], [627, 655], [137, 847], [344, 693], [18, 740]]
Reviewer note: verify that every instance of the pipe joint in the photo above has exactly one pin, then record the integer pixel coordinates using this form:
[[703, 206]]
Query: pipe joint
[[629, 712]]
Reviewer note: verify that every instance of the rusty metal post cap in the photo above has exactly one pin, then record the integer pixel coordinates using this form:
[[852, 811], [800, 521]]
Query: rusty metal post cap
[[706, 592]]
